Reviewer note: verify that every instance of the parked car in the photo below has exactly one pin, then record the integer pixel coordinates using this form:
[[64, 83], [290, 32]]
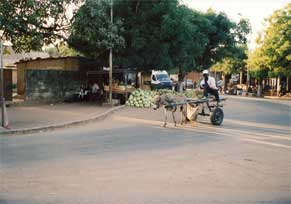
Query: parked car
[[161, 80]]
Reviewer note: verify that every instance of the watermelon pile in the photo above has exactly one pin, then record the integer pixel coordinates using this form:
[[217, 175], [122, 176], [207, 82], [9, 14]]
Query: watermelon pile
[[141, 99], [144, 99], [193, 93]]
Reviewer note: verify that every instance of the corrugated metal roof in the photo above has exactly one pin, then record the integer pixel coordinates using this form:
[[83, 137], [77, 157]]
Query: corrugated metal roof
[[52, 58], [12, 58]]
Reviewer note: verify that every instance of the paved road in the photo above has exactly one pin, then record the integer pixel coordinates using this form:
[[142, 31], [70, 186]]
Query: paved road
[[128, 158]]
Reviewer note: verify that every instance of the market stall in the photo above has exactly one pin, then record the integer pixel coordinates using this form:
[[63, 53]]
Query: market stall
[[124, 83]]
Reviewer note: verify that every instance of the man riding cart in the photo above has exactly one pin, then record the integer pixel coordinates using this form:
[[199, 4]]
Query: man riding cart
[[209, 86]]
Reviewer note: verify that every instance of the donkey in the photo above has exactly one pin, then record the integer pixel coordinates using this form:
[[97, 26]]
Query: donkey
[[169, 104]]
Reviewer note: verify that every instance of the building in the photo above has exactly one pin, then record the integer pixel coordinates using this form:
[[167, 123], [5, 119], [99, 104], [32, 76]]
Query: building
[[194, 76], [52, 79], [8, 85], [10, 59]]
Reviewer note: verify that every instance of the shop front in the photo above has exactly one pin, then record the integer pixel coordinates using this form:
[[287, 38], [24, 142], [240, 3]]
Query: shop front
[[123, 83]]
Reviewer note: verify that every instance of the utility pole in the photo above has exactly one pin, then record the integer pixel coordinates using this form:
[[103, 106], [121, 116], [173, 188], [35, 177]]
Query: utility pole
[[2, 97], [110, 57]]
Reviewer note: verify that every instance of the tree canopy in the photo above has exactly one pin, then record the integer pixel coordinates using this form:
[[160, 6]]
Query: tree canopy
[[161, 34], [234, 62], [234, 59], [30, 24], [92, 32], [273, 54], [62, 50]]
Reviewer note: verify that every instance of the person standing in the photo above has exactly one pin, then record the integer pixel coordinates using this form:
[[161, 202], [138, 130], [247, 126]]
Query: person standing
[[95, 88]]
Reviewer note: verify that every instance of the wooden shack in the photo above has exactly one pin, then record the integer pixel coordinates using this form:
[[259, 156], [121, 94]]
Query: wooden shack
[[52, 78], [8, 83]]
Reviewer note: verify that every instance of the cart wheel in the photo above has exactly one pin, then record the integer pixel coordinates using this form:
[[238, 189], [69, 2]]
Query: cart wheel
[[217, 116]]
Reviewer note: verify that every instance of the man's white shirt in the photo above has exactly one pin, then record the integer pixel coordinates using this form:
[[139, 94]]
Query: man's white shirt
[[95, 88], [210, 81]]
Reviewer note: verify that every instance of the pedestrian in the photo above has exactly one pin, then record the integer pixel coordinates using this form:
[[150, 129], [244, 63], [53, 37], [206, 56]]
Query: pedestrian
[[95, 88], [81, 92]]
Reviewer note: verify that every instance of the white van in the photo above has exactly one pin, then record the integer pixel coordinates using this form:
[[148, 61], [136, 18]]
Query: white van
[[160, 80]]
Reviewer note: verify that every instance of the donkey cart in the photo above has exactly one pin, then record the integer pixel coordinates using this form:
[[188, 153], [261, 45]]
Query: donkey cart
[[190, 108], [205, 108]]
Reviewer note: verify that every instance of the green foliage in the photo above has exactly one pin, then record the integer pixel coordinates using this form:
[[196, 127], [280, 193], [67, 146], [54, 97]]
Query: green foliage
[[241, 31], [66, 51], [277, 40], [273, 53], [233, 63], [184, 37], [63, 50], [225, 38], [6, 51], [155, 34], [256, 64], [234, 58], [52, 51], [146, 35], [227, 66], [30, 24], [92, 31]]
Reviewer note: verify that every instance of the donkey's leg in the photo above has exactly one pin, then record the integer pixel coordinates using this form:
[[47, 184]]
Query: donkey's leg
[[174, 119], [183, 115], [166, 116]]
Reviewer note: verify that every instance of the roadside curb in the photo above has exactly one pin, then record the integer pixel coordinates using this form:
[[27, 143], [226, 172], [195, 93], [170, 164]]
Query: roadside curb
[[277, 101], [278, 98], [63, 125]]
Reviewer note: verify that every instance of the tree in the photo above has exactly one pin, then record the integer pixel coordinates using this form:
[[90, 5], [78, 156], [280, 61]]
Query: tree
[[232, 57], [257, 64], [154, 34], [93, 33], [145, 34], [62, 50], [164, 34], [234, 62], [272, 57], [220, 39], [183, 34], [276, 44], [65, 51], [257, 68], [30, 24]]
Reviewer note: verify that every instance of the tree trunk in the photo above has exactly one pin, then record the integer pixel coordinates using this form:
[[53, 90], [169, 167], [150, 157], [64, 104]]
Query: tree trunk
[[288, 84], [259, 91], [248, 81], [226, 82], [136, 7], [180, 80], [278, 86]]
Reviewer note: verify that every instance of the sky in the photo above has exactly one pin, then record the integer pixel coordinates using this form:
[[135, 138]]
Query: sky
[[255, 10]]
